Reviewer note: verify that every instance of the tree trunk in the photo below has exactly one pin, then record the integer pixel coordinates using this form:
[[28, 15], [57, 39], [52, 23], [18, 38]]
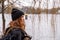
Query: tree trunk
[[3, 19]]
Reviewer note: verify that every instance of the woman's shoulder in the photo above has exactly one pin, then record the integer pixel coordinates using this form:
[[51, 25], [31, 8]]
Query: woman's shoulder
[[14, 30]]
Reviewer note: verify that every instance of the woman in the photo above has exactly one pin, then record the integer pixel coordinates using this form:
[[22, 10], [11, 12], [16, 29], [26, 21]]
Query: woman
[[17, 27]]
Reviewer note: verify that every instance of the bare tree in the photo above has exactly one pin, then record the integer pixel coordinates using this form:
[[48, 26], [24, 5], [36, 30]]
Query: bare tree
[[3, 16]]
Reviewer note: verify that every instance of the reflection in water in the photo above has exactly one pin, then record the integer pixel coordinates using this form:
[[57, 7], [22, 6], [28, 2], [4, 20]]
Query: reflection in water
[[38, 27]]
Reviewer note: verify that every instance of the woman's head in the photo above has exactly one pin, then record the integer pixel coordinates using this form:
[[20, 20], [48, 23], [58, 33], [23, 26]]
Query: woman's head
[[17, 18], [15, 14]]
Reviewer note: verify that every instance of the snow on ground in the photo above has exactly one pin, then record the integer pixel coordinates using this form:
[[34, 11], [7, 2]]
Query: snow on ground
[[39, 30]]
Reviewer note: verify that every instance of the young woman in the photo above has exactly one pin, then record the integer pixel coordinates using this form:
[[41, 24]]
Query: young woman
[[17, 27]]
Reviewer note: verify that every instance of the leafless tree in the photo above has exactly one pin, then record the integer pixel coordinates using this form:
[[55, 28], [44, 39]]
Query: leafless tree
[[3, 16]]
